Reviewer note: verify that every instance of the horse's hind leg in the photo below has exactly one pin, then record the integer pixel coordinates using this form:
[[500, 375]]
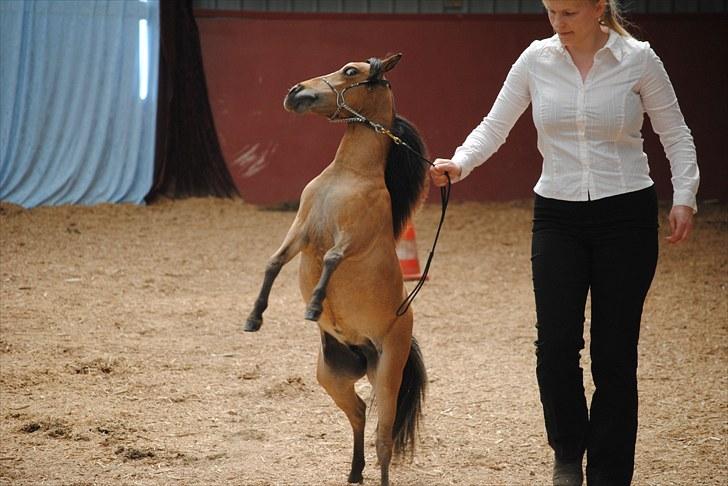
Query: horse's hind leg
[[392, 360], [331, 260], [290, 248], [338, 369]]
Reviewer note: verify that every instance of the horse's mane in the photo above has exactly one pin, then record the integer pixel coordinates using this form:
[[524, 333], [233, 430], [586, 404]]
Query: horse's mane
[[405, 173]]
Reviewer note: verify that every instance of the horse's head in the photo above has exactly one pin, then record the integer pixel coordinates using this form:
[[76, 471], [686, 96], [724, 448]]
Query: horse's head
[[357, 85]]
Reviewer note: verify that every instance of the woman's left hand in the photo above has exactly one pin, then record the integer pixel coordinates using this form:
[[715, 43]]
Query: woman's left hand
[[681, 223]]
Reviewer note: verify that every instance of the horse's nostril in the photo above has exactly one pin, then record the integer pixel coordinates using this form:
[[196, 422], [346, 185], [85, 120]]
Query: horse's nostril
[[299, 99]]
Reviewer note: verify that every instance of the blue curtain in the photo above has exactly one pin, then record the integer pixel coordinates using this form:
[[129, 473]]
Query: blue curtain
[[78, 97]]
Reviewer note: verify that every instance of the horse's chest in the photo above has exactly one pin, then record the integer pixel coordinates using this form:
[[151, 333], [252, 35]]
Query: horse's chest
[[352, 207]]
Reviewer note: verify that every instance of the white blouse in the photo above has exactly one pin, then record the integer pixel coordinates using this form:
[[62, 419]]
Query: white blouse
[[589, 131]]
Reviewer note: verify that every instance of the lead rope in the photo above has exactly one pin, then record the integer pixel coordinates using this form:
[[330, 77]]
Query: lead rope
[[444, 190], [444, 200]]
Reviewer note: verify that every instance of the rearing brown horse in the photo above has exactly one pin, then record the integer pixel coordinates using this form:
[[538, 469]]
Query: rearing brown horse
[[346, 229]]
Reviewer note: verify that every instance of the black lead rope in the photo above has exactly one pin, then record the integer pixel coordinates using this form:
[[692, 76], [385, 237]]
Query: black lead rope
[[444, 200]]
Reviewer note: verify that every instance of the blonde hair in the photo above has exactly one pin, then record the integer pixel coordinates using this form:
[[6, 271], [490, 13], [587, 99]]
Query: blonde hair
[[612, 17]]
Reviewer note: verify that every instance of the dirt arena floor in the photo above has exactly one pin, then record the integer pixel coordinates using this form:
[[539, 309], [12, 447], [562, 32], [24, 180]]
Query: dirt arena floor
[[122, 359]]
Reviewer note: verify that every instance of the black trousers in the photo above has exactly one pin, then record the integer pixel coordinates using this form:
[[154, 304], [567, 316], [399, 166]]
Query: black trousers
[[607, 247]]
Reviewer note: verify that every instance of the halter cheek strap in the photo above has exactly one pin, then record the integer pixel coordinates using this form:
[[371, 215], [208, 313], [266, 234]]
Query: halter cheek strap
[[358, 117], [341, 101]]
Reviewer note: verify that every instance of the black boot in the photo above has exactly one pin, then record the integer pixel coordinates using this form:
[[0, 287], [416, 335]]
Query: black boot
[[568, 473]]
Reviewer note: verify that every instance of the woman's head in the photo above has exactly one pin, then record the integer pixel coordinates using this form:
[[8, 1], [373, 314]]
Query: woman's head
[[575, 19]]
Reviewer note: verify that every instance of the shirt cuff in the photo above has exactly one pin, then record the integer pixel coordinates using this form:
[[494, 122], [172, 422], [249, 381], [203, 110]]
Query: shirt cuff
[[461, 161], [685, 198]]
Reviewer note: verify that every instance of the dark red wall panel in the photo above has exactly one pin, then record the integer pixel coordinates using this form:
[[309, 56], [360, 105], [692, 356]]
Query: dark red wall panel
[[452, 70]]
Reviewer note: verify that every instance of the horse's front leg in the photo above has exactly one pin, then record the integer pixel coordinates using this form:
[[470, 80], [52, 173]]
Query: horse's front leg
[[332, 258], [291, 246]]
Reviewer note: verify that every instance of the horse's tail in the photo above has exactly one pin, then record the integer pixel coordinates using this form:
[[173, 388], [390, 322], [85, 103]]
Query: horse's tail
[[405, 173], [409, 401]]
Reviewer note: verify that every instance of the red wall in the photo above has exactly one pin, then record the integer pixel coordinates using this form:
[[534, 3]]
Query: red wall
[[452, 70]]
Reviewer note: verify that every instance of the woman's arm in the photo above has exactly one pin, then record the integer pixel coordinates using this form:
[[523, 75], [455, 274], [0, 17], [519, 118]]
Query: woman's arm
[[661, 105], [512, 100]]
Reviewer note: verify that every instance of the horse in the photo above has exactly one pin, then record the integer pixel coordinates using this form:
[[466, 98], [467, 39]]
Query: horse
[[346, 228]]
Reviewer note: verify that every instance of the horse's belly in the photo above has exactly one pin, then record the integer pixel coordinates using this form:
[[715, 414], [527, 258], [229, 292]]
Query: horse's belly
[[362, 296]]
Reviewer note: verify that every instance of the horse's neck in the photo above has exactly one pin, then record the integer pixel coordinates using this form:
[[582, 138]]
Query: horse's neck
[[363, 150]]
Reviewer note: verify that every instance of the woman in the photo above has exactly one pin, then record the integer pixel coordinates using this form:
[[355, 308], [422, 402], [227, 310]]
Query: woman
[[595, 219]]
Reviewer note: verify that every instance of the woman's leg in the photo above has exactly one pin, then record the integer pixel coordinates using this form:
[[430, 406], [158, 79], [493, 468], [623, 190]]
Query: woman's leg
[[624, 259], [560, 264]]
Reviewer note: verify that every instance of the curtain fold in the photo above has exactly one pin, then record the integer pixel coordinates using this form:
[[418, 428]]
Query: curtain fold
[[189, 160], [78, 95]]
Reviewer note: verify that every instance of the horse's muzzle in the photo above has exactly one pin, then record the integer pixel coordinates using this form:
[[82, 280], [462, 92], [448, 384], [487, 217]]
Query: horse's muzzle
[[299, 98]]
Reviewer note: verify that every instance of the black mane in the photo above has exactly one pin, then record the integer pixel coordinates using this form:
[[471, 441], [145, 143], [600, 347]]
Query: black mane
[[405, 173], [375, 68]]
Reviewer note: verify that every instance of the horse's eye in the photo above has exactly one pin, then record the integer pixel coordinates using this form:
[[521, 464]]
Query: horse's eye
[[351, 71]]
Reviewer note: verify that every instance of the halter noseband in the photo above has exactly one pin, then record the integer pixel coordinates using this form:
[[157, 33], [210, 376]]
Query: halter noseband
[[341, 101]]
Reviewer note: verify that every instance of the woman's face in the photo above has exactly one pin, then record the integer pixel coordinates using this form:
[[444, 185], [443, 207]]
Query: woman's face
[[574, 20]]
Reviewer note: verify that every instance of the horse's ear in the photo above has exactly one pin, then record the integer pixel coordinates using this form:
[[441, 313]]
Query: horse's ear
[[389, 63]]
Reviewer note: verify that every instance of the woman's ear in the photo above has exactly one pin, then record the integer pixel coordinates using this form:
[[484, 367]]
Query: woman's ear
[[601, 10]]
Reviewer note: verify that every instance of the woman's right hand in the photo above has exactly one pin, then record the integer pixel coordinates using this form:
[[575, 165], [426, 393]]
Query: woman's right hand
[[440, 167]]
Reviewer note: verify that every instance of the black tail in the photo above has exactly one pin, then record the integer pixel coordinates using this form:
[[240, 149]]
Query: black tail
[[409, 402], [405, 173]]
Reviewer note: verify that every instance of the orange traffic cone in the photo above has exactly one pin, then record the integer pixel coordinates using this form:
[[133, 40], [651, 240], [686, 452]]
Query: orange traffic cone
[[407, 254]]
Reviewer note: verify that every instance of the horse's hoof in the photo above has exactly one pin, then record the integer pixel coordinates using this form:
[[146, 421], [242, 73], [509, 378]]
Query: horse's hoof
[[312, 314], [355, 478], [253, 324]]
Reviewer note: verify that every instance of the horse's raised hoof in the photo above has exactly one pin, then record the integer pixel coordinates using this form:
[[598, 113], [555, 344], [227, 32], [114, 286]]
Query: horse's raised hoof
[[313, 314], [253, 324]]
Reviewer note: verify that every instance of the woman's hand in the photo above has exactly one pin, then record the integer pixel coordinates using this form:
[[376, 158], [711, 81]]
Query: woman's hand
[[681, 223], [440, 167]]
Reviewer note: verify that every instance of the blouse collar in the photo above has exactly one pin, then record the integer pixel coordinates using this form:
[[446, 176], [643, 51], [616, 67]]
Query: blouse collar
[[615, 45]]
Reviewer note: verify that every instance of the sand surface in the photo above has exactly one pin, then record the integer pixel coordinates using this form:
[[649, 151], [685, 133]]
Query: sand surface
[[122, 359]]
